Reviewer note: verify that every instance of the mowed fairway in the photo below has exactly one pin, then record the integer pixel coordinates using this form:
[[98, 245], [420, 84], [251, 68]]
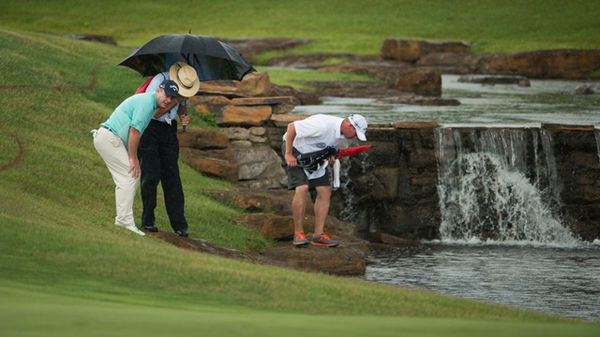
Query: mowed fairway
[[27, 313]]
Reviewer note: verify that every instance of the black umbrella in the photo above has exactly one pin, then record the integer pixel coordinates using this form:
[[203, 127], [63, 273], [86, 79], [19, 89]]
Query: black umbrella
[[212, 59]]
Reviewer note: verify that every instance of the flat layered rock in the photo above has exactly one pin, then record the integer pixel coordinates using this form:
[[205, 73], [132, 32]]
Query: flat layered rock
[[413, 50], [348, 259]]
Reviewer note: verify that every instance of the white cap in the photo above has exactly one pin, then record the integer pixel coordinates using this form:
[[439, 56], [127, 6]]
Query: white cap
[[360, 125]]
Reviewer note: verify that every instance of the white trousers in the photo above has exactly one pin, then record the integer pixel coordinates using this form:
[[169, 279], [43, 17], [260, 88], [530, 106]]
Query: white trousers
[[111, 149]]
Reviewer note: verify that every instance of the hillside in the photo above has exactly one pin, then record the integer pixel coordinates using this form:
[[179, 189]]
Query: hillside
[[349, 26], [65, 270]]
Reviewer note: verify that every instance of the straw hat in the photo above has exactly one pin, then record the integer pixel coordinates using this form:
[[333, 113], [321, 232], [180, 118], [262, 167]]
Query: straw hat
[[186, 78]]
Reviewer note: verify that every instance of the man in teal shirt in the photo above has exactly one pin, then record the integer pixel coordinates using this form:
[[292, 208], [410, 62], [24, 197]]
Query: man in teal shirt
[[117, 143]]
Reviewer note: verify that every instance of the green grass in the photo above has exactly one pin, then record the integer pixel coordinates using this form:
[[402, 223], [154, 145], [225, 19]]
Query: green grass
[[295, 77], [66, 270], [51, 315], [352, 26]]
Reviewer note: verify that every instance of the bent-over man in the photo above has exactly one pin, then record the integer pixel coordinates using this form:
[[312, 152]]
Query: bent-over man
[[117, 142], [313, 134]]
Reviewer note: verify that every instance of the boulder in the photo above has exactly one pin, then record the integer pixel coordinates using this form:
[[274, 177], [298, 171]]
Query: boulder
[[563, 63], [278, 201], [279, 104], [254, 84], [281, 227], [258, 131], [420, 80], [559, 63], [235, 115], [271, 226], [306, 97], [453, 63], [219, 87], [362, 89], [226, 155], [217, 168], [413, 50], [202, 139], [348, 259], [272, 100], [236, 133], [285, 119], [218, 163], [241, 143], [258, 139], [258, 162], [384, 72], [209, 99]]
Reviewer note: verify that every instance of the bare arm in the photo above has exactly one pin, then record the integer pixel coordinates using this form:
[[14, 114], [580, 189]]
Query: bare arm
[[132, 147], [161, 111], [182, 112], [289, 145]]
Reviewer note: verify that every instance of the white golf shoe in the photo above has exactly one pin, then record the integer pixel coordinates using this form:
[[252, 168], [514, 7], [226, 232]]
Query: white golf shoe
[[134, 229]]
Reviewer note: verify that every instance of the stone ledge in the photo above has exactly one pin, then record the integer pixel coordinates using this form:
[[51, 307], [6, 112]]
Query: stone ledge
[[552, 126], [265, 100], [416, 125]]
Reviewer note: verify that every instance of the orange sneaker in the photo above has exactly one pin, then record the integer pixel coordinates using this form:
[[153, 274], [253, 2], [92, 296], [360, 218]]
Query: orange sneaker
[[300, 239], [323, 240]]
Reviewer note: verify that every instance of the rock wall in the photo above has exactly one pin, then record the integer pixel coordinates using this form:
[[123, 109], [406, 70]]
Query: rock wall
[[393, 188]]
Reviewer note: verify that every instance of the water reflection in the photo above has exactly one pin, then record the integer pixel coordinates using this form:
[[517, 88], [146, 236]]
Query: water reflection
[[555, 280], [546, 101]]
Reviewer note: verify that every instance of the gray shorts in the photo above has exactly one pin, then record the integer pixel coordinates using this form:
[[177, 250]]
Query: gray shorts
[[297, 176]]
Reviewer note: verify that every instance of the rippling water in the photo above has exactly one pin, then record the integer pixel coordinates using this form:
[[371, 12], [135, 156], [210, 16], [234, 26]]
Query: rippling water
[[563, 281], [559, 280], [546, 101]]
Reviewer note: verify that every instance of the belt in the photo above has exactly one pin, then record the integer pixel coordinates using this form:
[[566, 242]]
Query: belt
[[107, 128]]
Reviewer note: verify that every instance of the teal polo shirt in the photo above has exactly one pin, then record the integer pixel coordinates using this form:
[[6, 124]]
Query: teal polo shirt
[[136, 111]]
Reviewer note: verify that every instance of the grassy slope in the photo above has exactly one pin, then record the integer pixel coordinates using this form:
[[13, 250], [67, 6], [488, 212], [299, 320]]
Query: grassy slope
[[337, 25], [56, 208], [64, 317]]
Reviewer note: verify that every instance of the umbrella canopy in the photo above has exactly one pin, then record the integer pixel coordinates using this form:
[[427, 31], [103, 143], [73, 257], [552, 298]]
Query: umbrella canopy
[[212, 59], [352, 150]]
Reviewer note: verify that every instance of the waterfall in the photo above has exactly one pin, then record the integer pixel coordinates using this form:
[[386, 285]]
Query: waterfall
[[497, 185], [597, 135], [349, 212]]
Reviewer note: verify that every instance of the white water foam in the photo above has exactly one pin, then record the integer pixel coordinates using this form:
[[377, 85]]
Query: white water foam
[[486, 197]]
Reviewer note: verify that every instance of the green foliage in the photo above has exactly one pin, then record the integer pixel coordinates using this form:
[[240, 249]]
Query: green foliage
[[205, 121]]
